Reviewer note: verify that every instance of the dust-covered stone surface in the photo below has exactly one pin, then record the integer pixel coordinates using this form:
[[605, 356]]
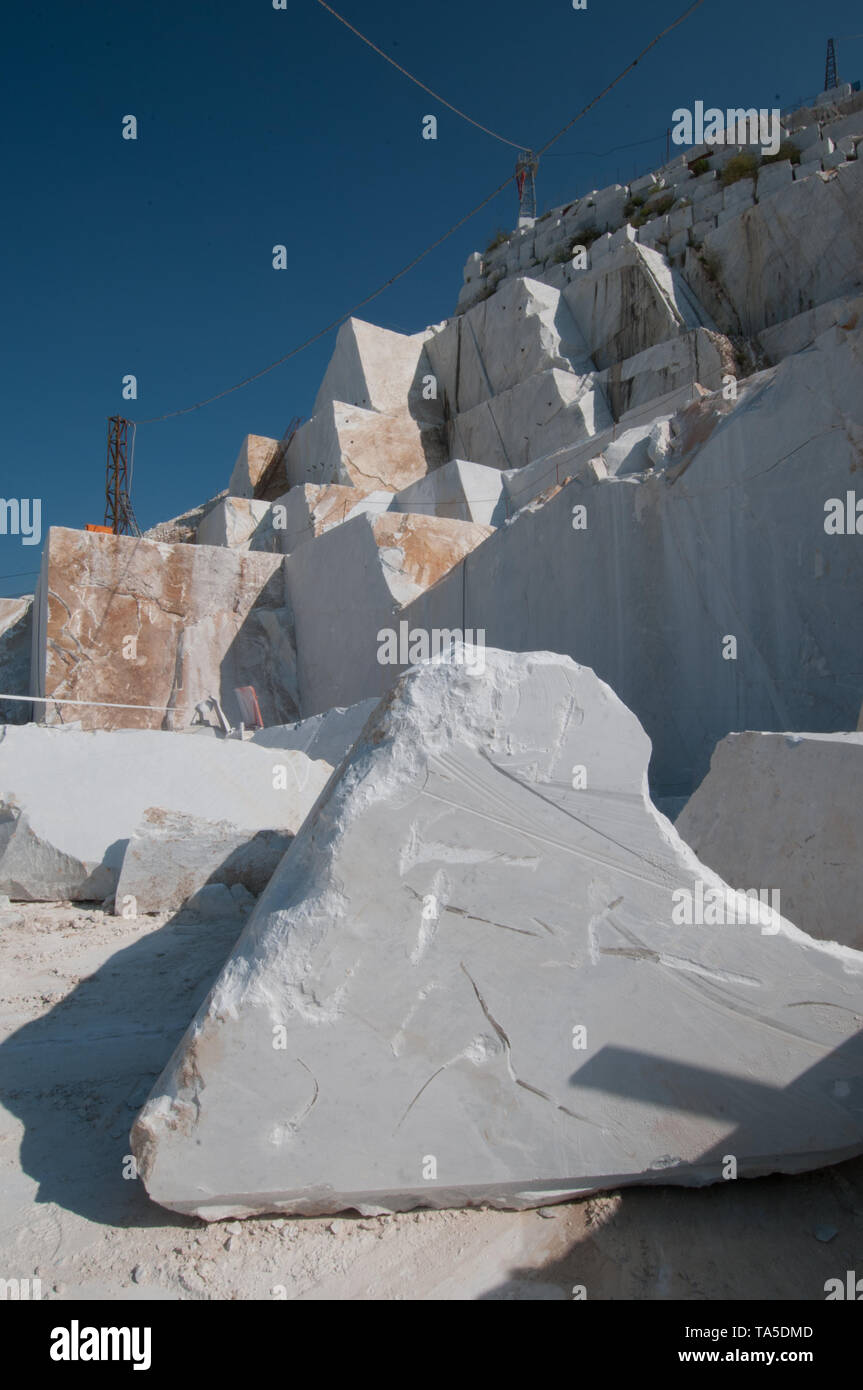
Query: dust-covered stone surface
[[498, 951]]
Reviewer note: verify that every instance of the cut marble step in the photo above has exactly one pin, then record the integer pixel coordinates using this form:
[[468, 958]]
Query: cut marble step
[[349, 586], [794, 334], [255, 456], [524, 329], [547, 411], [465, 984], [71, 800], [310, 509], [16, 639], [626, 447], [698, 356], [460, 490], [354, 447], [232, 522], [379, 370], [785, 810]]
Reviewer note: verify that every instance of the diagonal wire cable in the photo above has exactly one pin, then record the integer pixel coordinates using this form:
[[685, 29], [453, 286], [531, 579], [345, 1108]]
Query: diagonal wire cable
[[601, 154], [343, 318], [620, 76], [443, 101]]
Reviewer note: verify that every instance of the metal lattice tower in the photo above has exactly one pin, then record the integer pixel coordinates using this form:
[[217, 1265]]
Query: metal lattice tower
[[525, 178], [118, 506], [830, 78]]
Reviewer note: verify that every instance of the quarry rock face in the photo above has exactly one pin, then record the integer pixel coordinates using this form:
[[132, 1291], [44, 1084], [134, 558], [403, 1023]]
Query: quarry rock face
[[71, 800], [754, 250], [352, 583], [467, 983], [629, 301], [133, 622], [528, 421], [525, 329], [784, 810], [16, 640], [728, 536]]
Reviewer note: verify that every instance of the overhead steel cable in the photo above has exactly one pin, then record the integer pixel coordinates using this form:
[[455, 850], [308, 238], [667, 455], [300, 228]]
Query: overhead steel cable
[[601, 154], [443, 101], [336, 323], [620, 76], [343, 318]]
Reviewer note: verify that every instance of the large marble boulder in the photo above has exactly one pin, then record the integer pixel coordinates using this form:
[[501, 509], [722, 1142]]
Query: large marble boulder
[[545, 412], [70, 801], [631, 299], [799, 248], [172, 856], [468, 983]]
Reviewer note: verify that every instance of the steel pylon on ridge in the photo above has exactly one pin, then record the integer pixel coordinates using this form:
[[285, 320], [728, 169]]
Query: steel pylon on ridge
[[830, 77], [525, 178], [118, 505]]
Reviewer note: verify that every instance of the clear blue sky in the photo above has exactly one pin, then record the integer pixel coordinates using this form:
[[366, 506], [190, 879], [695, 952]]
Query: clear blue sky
[[259, 126]]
